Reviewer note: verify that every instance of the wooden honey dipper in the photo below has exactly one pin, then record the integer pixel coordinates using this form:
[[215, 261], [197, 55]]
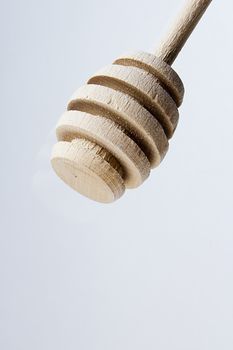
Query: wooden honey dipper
[[116, 128]]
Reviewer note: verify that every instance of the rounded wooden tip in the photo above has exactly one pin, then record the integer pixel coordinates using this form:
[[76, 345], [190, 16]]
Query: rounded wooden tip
[[88, 169], [117, 127]]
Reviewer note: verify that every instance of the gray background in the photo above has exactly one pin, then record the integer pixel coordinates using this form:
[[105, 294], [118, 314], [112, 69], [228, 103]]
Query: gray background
[[154, 270]]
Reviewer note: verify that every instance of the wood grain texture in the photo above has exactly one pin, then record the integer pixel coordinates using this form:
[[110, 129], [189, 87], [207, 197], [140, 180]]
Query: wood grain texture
[[116, 127], [126, 111], [88, 169], [145, 88], [110, 136], [181, 29], [138, 122], [167, 77]]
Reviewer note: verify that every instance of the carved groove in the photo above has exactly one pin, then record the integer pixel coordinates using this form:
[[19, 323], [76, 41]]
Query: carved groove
[[116, 128]]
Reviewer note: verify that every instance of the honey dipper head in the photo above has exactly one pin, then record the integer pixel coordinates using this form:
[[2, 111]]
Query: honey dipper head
[[117, 127]]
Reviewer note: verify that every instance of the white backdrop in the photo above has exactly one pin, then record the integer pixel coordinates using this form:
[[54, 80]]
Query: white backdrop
[[153, 270]]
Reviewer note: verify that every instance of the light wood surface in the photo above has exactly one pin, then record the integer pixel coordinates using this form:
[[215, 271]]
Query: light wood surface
[[111, 137], [157, 67], [145, 88], [181, 29], [117, 126], [88, 169], [137, 121]]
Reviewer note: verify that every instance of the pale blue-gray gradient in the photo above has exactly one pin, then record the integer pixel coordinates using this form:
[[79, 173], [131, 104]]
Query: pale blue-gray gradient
[[154, 270]]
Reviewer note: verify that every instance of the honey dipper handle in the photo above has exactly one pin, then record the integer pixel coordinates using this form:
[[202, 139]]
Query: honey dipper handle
[[183, 26]]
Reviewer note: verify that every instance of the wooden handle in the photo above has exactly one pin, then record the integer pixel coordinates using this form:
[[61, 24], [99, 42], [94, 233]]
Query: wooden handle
[[183, 26]]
